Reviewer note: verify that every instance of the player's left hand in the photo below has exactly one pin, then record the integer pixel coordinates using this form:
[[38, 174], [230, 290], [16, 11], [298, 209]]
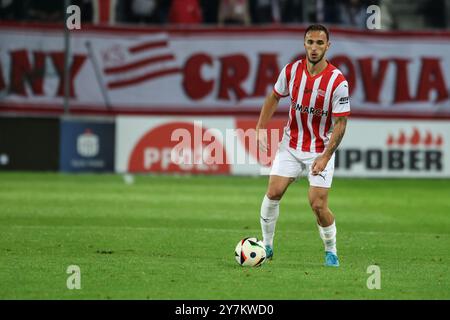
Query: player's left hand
[[319, 164]]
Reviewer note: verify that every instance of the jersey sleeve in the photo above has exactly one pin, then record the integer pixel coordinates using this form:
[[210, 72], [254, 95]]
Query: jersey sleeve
[[341, 103], [281, 87]]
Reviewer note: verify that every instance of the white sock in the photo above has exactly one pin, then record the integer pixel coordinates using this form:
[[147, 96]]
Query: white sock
[[328, 235], [269, 215]]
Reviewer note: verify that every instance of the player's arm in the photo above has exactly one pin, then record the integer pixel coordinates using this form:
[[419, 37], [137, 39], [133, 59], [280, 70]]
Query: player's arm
[[340, 123], [341, 109], [267, 111]]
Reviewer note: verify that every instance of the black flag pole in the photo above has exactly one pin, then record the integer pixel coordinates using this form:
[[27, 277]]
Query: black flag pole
[[66, 60], [98, 75]]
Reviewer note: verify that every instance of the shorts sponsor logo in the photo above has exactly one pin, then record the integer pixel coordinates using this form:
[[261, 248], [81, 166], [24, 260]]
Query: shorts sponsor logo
[[322, 175]]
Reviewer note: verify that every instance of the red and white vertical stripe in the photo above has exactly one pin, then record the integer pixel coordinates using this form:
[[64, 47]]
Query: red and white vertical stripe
[[306, 131], [321, 125], [291, 69]]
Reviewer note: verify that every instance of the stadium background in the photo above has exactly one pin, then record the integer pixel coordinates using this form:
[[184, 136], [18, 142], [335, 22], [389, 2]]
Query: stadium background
[[141, 69]]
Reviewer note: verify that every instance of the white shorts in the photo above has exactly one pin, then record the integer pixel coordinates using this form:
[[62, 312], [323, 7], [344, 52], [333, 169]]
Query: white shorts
[[292, 163]]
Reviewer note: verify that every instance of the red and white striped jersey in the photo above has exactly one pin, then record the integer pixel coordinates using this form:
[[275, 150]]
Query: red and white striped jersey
[[314, 100]]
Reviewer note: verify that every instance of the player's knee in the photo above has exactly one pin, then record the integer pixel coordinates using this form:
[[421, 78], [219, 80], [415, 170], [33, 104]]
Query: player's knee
[[318, 205], [274, 194]]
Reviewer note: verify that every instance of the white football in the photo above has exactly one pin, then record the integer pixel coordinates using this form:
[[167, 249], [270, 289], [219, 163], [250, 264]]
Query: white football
[[250, 252]]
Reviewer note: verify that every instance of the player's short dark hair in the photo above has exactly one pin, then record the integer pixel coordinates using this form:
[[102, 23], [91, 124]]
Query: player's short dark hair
[[317, 27]]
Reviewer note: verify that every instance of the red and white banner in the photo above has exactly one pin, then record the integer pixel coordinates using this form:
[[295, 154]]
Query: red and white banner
[[215, 71], [226, 145]]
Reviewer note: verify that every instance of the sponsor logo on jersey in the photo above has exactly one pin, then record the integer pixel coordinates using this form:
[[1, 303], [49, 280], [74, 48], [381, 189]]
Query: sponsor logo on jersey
[[321, 93], [343, 100], [310, 110]]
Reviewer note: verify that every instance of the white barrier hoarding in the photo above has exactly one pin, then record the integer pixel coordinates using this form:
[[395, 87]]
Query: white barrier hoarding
[[209, 146], [223, 145], [216, 70], [389, 148]]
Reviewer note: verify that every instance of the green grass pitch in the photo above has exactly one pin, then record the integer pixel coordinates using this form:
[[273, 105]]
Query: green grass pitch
[[169, 237]]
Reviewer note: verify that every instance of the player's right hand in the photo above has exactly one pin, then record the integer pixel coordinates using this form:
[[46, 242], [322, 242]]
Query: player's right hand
[[261, 139]]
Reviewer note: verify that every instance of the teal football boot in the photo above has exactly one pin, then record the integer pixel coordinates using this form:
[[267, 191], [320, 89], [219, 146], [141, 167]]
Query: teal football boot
[[269, 253], [331, 260]]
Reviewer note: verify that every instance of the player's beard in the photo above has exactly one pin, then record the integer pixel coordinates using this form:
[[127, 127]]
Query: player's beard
[[318, 60]]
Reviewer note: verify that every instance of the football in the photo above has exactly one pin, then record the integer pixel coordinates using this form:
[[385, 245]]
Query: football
[[250, 252]]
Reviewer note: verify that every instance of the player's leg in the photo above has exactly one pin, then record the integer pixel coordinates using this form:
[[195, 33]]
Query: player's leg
[[318, 199], [278, 186], [270, 209], [285, 169]]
